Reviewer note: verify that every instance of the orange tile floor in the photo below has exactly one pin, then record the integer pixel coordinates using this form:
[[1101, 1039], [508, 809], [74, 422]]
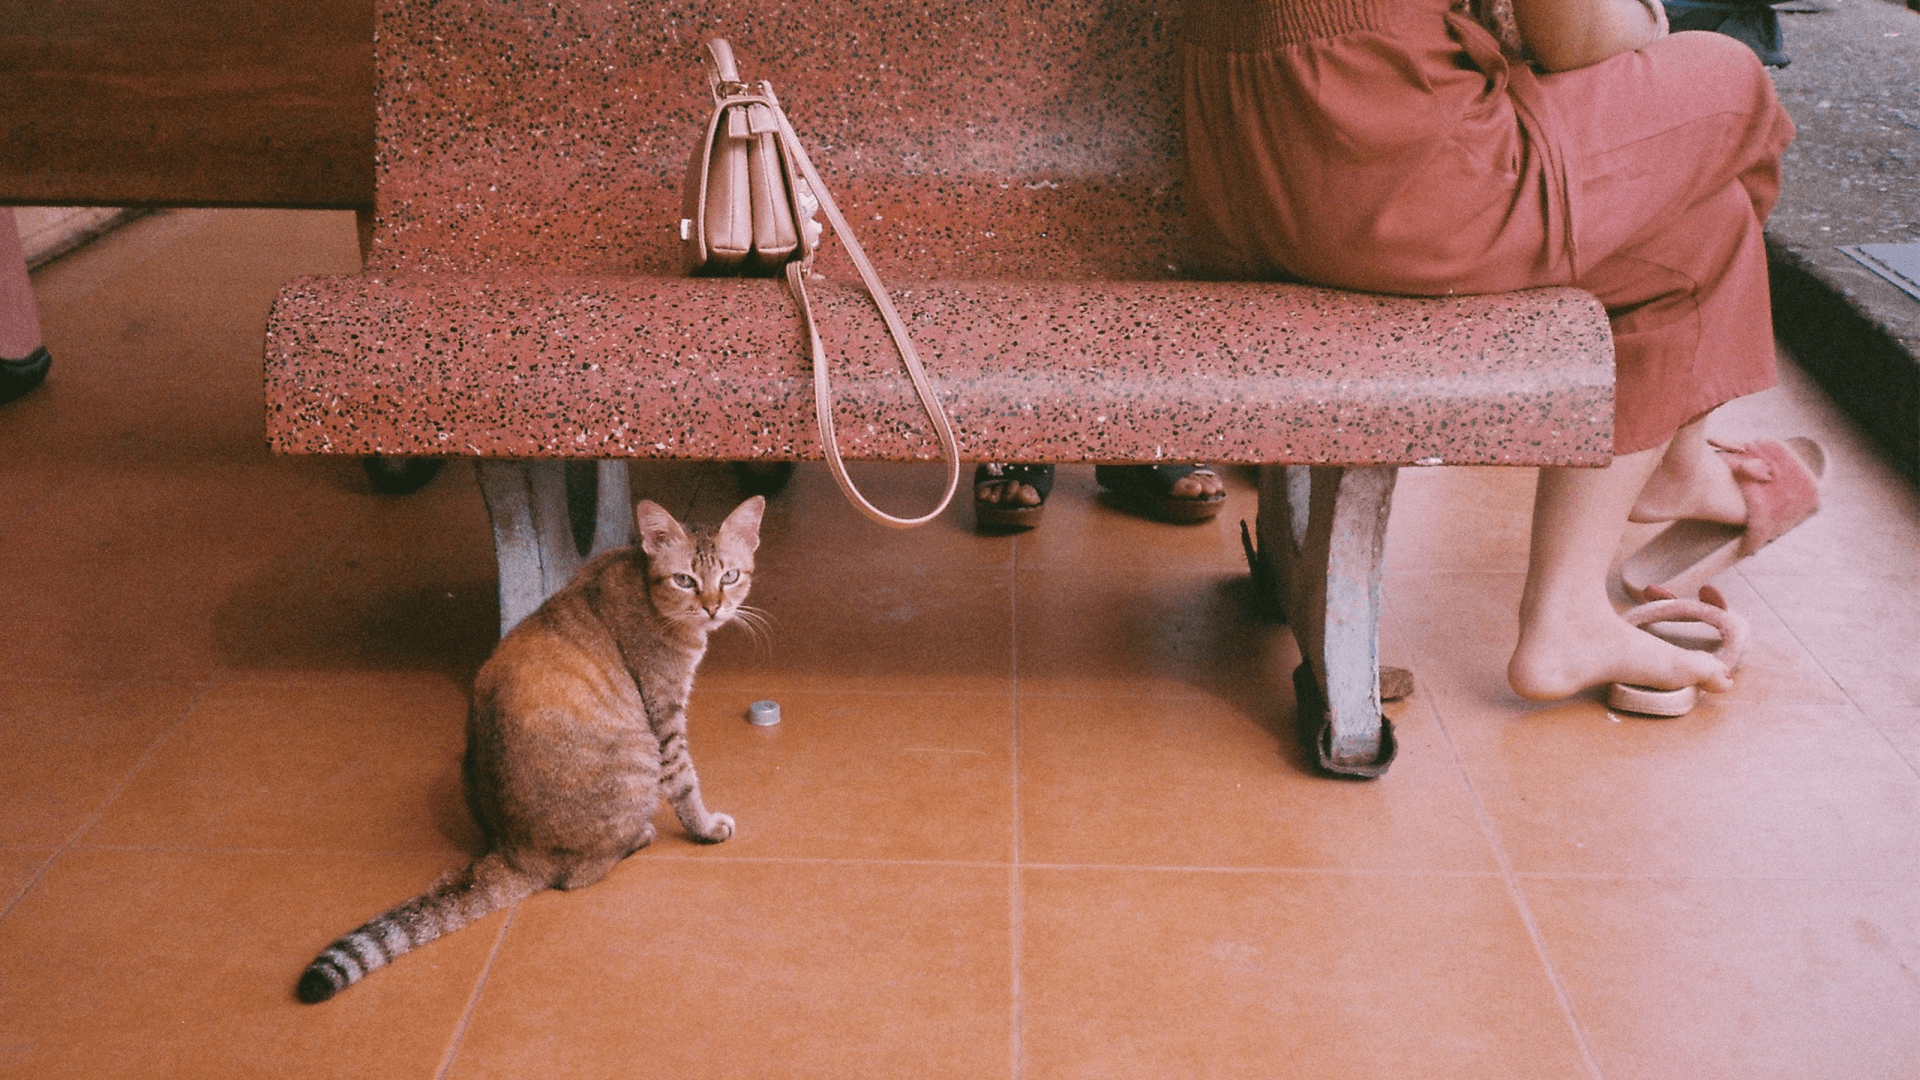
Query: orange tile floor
[[1034, 811]]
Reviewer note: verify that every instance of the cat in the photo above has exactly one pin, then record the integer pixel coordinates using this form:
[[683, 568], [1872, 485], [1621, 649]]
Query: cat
[[578, 725]]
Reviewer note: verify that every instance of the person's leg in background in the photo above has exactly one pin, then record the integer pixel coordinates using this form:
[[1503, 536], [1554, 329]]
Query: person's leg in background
[[24, 359]]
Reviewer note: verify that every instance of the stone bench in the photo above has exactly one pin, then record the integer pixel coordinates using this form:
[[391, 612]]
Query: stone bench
[[1013, 172]]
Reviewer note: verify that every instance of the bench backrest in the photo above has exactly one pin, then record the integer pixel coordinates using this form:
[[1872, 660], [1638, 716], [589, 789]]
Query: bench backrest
[[1025, 138]]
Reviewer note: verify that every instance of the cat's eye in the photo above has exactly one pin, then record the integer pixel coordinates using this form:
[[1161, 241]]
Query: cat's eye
[[685, 581], [730, 577]]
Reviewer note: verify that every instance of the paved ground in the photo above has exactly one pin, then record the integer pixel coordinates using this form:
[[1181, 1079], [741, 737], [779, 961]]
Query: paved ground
[[1036, 809], [1852, 177]]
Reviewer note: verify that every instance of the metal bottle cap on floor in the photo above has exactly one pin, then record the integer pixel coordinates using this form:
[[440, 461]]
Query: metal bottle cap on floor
[[763, 713]]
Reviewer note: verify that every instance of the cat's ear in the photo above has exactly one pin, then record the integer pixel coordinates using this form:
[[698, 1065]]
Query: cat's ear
[[658, 530], [743, 525]]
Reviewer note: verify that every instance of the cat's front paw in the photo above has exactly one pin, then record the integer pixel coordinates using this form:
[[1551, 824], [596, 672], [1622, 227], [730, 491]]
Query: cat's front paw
[[717, 827]]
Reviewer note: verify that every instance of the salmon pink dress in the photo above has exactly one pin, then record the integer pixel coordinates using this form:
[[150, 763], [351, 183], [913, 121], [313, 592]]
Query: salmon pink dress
[[1390, 146]]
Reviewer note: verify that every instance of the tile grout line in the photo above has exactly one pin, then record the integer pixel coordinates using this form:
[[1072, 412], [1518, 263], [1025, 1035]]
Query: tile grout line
[[100, 811], [734, 684], [1139, 868], [30, 884], [1277, 871], [1519, 898], [1016, 917], [1794, 632], [110, 680], [696, 857], [211, 683], [473, 998], [207, 686], [692, 857], [1797, 879], [326, 853]]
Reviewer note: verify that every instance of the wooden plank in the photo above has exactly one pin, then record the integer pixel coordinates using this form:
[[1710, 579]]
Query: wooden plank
[[215, 103]]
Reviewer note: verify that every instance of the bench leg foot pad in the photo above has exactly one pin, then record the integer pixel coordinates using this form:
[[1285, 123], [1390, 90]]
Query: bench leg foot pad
[[1321, 534], [1316, 728]]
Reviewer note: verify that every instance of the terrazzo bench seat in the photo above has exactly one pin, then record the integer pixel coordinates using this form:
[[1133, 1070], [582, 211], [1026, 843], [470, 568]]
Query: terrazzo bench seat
[[1013, 172]]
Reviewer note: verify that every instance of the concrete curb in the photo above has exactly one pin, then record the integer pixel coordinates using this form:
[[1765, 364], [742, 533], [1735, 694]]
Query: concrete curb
[[1851, 177]]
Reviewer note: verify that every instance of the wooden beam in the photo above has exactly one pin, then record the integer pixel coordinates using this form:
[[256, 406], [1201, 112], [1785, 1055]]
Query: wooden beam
[[213, 103]]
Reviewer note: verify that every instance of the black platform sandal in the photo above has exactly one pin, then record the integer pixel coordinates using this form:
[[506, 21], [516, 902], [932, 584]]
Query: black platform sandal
[[1148, 489], [1000, 515]]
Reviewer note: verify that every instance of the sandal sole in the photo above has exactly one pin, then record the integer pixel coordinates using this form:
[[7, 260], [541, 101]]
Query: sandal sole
[[1646, 701], [1171, 509], [994, 516], [1176, 511]]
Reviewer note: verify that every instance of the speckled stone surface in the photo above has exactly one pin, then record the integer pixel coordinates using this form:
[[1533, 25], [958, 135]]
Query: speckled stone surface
[[522, 297], [556, 134], [1057, 371]]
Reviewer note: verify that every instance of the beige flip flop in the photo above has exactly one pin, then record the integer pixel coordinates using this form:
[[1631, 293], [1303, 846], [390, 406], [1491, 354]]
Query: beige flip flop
[[1711, 609]]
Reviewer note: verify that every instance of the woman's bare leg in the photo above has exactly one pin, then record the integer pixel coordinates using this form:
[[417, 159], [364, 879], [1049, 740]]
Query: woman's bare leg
[[19, 321], [1570, 636]]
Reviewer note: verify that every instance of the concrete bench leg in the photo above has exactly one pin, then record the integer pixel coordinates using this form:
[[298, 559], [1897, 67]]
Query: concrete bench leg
[[533, 530], [1323, 530]]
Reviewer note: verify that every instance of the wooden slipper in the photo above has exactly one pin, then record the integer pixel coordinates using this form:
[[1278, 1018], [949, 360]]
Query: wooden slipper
[[1781, 483], [1148, 489], [993, 514], [1710, 609]]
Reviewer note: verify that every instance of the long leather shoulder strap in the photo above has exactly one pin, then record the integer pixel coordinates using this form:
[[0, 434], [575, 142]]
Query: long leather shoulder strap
[[896, 328]]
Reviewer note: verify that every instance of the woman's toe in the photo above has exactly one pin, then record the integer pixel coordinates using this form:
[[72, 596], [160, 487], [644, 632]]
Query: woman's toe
[[1198, 484]]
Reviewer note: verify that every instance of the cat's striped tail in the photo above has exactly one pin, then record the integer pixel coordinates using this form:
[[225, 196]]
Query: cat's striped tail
[[454, 901]]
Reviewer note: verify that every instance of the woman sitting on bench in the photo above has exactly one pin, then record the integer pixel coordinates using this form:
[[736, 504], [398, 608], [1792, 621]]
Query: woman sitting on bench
[[1395, 146]]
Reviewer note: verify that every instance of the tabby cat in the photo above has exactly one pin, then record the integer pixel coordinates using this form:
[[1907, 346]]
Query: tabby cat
[[579, 723]]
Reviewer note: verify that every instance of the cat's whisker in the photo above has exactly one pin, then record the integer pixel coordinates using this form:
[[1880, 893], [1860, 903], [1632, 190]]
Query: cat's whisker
[[757, 625], [757, 617]]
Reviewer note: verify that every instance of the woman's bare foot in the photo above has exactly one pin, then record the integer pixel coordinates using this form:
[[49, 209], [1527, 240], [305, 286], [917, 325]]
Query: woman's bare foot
[[1562, 654], [1198, 484], [1570, 636], [1006, 493], [1187, 494], [1010, 496], [1693, 482]]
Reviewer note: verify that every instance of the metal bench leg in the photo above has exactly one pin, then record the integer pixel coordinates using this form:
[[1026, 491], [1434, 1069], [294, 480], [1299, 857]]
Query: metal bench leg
[[533, 532], [613, 508], [1325, 529]]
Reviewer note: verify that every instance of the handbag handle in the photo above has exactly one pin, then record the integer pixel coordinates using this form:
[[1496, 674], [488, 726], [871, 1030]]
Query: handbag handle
[[723, 73], [896, 328]]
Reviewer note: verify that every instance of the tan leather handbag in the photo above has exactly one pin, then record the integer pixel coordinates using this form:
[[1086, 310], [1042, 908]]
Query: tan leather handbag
[[749, 206]]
